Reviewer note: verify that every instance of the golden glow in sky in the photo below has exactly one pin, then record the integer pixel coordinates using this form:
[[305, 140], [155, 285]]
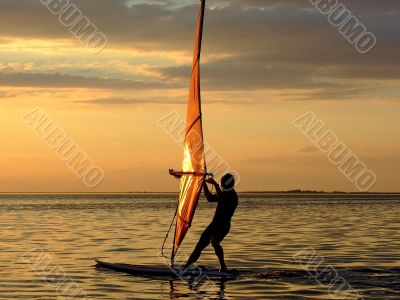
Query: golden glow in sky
[[258, 75]]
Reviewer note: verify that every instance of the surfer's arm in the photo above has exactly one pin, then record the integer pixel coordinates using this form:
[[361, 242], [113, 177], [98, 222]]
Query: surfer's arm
[[219, 191], [210, 196], [216, 186]]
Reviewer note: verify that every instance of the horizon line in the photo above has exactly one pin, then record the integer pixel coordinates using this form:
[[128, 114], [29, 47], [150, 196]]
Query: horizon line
[[296, 191]]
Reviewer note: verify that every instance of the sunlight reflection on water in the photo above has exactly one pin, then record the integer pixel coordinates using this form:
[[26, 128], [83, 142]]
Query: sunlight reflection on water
[[358, 235]]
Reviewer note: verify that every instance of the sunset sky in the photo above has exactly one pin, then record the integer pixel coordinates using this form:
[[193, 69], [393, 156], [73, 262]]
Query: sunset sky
[[265, 63]]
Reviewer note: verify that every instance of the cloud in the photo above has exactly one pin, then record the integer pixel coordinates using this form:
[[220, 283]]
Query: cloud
[[8, 94], [238, 73], [128, 101], [265, 44], [117, 101], [339, 92], [55, 80], [247, 73], [231, 28], [359, 6]]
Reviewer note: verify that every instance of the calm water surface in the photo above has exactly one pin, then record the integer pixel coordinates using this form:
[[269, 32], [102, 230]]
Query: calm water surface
[[48, 243]]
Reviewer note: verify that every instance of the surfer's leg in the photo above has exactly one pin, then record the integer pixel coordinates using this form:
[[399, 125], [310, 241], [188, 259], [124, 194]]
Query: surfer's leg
[[216, 243], [204, 241]]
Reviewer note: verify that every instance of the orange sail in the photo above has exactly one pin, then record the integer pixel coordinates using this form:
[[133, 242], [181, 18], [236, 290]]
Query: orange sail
[[194, 166]]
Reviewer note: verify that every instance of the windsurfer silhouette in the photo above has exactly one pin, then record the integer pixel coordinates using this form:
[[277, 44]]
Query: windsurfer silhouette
[[219, 227]]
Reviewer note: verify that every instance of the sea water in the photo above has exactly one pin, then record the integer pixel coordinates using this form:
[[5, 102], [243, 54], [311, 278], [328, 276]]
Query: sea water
[[294, 246]]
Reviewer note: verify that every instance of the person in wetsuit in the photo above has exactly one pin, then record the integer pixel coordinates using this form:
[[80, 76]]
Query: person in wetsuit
[[219, 227]]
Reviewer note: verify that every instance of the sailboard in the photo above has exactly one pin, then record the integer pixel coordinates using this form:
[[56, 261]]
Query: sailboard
[[163, 272], [194, 170], [159, 271]]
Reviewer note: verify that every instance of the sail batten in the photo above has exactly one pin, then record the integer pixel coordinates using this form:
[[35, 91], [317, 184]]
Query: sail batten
[[193, 166]]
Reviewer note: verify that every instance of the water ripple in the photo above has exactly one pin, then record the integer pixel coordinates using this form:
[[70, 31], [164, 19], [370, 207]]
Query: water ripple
[[355, 234]]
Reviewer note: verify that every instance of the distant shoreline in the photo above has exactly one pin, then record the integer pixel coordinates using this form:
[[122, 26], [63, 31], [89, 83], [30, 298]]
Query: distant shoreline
[[241, 192]]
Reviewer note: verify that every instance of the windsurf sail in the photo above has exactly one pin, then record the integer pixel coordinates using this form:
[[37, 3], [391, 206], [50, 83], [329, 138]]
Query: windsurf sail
[[194, 169]]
